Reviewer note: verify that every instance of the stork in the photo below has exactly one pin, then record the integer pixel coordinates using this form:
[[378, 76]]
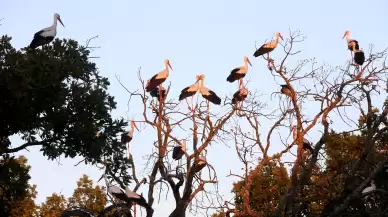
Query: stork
[[179, 151], [208, 94], [286, 90], [118, 192], [155, 92], [306, 143], [190, 91], [46, 35], [200, 163], [351, 42], [126, 196], [239, 72], [268, 47], [359, 56], [159, 78], [126, 137], [370, 188], [241, 94]]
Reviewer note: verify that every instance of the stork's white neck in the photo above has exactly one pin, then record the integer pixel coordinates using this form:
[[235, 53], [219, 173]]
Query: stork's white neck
[[55, 22], [347, 37]]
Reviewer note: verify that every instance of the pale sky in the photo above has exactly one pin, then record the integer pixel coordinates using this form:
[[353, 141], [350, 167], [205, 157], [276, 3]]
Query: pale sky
[[199, 37]]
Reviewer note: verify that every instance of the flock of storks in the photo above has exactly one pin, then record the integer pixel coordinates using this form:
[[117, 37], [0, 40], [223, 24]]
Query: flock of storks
[[154, 87]]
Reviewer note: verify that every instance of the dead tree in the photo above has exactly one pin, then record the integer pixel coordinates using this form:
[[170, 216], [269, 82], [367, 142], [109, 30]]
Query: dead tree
[[331, 91], [169, 120]]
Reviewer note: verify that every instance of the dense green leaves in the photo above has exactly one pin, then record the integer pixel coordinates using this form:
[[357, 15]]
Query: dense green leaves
[[54, 97]]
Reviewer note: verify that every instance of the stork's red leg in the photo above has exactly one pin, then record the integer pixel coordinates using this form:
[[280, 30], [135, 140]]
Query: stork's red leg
[[269, 62], [188, 106], [160, 93], [192, 104]]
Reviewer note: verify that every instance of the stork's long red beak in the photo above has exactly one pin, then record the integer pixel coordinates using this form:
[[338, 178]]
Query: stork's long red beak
[[59, 19], [169, 66], [249, 62], [134, 124], [344, 35], [281, 37]]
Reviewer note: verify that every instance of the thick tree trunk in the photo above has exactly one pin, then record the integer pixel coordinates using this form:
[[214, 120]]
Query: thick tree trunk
[[179, 211]]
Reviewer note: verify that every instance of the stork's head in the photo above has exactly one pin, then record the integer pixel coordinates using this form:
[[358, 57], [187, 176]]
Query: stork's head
[[278, 35], [167, 63], [347, 33], [247, 60], [202, 77], [133, 124], [58, 17]]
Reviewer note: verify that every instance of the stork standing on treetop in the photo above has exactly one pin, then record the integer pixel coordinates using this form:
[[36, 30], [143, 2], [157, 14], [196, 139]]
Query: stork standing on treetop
[[351, 42], [158, 79], [239, 72], [359, 56], [126, 137], [190, 91], [46, 35], [306, 143], [241, 94], [155, 92], [267, 48], [208, 94], [126, 196]]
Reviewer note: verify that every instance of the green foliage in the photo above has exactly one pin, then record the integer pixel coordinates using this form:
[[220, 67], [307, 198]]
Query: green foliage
[[54, 97]]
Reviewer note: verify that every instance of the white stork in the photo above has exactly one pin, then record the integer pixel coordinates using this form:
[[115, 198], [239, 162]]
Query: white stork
[[286, 90], [208, 94], [126, 137], [159, 78], [155, 92], [118, 192], [241, 94], [126, 196], [306, 143], [190, 91], [359, 56], [267, 48], [179, 151], [370, 188], [46, 35], [351, 42], [239, 72]]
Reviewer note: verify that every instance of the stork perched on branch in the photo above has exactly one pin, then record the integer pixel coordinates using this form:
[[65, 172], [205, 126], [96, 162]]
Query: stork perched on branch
[[179, 151], [208, 94], [359, 56], [190, 91], [156, 93], [46, 35], [127, 196], [306, 143], [239, 72], [241, 94], [351, 42], [158, 79], [267, 48], [126, 137]]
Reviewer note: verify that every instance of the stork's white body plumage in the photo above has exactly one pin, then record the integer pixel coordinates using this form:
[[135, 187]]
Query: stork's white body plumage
[[207, 93], [159, 78], [190, 90], [46, 35], [131, 194], [370, 188], [239, 72], [269, 46]]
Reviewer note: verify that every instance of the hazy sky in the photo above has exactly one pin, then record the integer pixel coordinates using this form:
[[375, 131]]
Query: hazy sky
[[209, 37]]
